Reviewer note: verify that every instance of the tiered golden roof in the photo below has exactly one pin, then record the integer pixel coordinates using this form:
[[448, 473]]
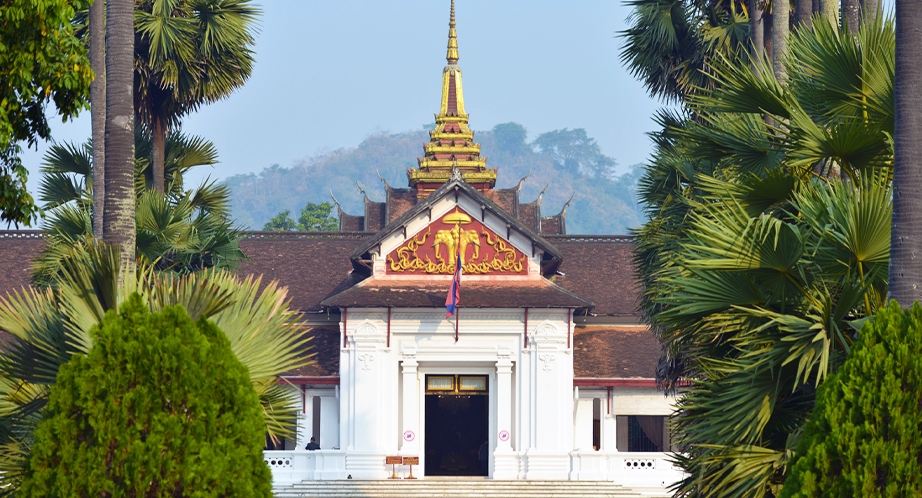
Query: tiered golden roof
[[451, 143]]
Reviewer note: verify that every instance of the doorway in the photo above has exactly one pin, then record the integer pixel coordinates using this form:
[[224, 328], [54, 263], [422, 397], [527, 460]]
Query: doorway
[[457, 425]]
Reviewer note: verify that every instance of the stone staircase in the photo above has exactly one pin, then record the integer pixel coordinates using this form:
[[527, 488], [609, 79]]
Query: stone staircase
[[467, 488]]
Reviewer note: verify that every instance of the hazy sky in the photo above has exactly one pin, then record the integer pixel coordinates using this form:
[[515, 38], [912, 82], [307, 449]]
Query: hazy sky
[[329, 73]]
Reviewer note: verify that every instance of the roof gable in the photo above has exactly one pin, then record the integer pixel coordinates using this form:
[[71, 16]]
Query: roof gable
[[458, 194], [481, 250]]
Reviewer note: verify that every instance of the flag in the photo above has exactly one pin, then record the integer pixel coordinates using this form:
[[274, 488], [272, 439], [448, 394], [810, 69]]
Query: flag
[[454, 291]]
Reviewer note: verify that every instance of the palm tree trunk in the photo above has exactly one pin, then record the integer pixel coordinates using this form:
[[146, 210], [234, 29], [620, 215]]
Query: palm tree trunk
[[870, 8], [851, 15], [829, 9], [757, 29], [906, 239], [803, 10], [781, 19], [119, 210], [98, 110], [767, 34], [158, 137]]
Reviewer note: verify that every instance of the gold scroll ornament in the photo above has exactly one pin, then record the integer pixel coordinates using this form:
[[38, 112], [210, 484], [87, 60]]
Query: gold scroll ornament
[[457, 239]]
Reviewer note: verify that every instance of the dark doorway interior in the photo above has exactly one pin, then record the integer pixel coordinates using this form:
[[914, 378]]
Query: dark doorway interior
[[456, 426]]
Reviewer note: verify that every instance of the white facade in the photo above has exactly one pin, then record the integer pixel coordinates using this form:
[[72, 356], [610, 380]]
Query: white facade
[[539, 424], [379, 407]]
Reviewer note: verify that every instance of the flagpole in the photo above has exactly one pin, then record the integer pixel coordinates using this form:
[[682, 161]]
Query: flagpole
[[457, 315]]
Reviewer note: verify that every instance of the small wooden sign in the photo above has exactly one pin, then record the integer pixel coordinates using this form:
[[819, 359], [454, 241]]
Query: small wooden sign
[[393, 460], [411, 461]]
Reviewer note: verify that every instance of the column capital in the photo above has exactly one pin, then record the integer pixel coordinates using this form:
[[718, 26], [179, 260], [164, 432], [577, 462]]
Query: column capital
[[503, 360]]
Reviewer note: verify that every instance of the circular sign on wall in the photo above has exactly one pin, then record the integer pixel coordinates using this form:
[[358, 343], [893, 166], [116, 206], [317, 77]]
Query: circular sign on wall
[[504, 435], [409, 436]]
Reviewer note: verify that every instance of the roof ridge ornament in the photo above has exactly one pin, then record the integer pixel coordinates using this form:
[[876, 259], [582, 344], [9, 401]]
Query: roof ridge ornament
[[339, 207], [387, 186], [452, 54], [456, 175], [361, 189]]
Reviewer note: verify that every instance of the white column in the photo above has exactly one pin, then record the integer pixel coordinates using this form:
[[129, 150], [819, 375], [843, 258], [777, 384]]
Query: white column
[[329, 422], [305, 420], [583, 424], [410, 395], [504, 404], [504, 459]]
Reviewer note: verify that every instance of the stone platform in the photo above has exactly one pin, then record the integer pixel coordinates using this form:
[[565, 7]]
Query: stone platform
[[466, 487]]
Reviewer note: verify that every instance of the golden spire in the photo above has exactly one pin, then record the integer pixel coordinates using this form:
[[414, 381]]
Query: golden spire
[[452, 54], [451, 150]]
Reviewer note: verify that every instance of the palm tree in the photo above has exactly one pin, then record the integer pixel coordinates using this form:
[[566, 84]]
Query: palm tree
[[181, 230], [53, 324], [829, 10], [781, 22], [97, 35], [803, 13], [119, 204], [851, 13], [754, 263], [757, 29], [905, 264], [188, 53], [669, 44]]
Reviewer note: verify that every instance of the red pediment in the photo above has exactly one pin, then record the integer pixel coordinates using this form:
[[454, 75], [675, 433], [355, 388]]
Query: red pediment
[[432, 250]]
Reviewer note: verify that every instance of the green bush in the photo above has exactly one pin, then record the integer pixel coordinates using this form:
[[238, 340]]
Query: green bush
[[865, 436], [160, 406]]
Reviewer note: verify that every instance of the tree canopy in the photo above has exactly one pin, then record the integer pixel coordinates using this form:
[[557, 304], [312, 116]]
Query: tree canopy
[[757, 255], [865, 436], [53, 325], [182, 229], [188, 53], [42, 61], [313, 218], [158, 407]]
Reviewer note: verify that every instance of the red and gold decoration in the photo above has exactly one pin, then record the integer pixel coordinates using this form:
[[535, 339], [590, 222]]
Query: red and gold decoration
[[451, 145], [432, 251]]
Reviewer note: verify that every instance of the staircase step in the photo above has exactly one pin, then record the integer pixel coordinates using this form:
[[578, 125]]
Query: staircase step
[[462, 488]]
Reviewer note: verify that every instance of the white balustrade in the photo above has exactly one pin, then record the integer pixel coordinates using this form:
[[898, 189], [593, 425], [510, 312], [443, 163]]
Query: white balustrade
[[291, 466]]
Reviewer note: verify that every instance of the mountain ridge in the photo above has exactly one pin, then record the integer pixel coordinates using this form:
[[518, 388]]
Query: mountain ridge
[[557, 165]]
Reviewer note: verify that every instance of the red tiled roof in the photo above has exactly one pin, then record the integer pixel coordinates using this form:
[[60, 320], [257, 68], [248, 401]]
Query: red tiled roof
[[17, 250], [399, 201], [550, 225], [374, 215], [324, 350], [316, 267], [611, 352], [474, 294], [313, 268], [601, 268]]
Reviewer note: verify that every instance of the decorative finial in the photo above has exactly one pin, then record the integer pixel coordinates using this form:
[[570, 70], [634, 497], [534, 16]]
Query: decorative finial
[[335, 202], [452, 55], [456, 175]]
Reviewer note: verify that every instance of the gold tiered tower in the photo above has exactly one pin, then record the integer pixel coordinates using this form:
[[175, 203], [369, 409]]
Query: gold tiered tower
[[451, 145]]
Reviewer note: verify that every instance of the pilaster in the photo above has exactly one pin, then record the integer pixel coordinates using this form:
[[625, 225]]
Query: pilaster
[[505, 464], [410, 396]]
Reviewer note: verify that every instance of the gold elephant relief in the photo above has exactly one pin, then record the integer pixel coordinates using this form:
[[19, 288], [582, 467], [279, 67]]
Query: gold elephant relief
[[456, 239]]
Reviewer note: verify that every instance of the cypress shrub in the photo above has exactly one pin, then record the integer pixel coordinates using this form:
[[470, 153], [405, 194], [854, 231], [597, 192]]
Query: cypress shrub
[[159, 407], [864, 437]]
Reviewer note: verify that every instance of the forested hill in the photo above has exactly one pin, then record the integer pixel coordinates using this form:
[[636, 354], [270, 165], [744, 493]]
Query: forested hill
[[566, 161]]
